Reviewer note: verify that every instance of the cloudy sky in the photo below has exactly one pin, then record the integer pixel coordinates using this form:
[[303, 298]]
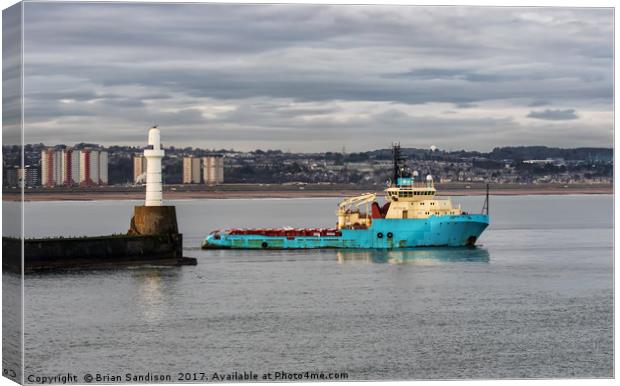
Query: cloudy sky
[[316, 77]]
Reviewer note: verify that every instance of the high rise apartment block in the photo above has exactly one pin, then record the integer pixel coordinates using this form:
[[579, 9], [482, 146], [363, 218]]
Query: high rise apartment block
[[139, 169], [213, 169], [207, 170], [191, 170], [68, 166]]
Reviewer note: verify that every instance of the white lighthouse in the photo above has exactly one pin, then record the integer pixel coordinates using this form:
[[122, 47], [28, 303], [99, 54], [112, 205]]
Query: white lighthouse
[[153, 154]]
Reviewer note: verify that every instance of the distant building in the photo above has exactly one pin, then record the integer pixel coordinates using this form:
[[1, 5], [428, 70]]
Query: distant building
[[70, 167], [554, 161], [213, 169], [29, 176], [51, 167], [139, 169], [103, 167], [10, 176], [191, 170], [17, 177], [89, 167], [93, 167]]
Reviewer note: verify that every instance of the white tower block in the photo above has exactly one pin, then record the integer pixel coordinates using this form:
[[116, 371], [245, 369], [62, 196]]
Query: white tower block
[[153, 154]]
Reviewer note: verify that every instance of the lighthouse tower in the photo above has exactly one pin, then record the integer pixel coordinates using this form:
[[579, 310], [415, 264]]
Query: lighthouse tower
[[153, 154], [154, 218]]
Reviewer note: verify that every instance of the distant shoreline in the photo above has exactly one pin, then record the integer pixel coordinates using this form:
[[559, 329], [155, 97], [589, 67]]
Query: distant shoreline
[[240, 191]]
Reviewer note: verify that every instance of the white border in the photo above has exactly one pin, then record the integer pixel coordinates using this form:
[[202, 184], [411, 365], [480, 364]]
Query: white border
[[524, 3]]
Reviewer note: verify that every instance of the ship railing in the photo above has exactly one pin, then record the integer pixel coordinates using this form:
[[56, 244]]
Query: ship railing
[[417, 184]]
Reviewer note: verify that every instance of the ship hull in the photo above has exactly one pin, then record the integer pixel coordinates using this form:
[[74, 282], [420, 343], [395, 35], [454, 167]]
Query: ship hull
[[435, 231]]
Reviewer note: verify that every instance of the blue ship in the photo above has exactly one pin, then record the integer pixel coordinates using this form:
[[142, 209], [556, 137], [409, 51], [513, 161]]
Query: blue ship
[[412, 217]]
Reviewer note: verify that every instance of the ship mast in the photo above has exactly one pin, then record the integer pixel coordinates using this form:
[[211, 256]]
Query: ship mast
[[399, 162], [485, 206]]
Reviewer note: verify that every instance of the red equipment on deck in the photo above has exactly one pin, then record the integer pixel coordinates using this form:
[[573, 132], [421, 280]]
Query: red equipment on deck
[[287, 232]]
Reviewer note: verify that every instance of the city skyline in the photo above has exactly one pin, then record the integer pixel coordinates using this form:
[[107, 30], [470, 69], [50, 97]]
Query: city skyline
[[197, 166], [314, 78], [341, 149]]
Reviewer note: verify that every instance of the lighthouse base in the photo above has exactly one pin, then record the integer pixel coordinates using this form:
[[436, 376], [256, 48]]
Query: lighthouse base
[[153, 220]]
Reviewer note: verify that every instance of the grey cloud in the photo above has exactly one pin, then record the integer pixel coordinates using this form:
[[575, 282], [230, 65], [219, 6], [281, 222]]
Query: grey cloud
[[140, 63], [554, 115], [466, 105], [448, 74], [11, 75], [538, 103]]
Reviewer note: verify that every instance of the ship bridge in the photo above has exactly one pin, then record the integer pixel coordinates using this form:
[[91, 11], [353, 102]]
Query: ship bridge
[[407, 189], [416, 199]]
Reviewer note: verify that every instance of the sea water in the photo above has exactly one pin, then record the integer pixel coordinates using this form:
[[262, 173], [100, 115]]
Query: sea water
[[534, 299]]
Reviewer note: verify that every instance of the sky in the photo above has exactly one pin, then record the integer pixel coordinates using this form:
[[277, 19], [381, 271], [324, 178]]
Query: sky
[[310, 78]]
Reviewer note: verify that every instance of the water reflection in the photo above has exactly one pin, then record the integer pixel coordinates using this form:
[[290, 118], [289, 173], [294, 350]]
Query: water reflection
[[151, 293], [417, 256]]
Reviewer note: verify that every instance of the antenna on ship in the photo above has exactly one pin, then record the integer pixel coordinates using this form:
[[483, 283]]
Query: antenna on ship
[[485, 207]]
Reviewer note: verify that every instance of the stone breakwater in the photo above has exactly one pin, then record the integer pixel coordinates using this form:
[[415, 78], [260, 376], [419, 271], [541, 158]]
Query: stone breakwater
[[153, 239], [98, 252]]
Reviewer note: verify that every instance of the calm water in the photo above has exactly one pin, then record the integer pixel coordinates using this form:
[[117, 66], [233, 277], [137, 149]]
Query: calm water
[[534, 300]]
